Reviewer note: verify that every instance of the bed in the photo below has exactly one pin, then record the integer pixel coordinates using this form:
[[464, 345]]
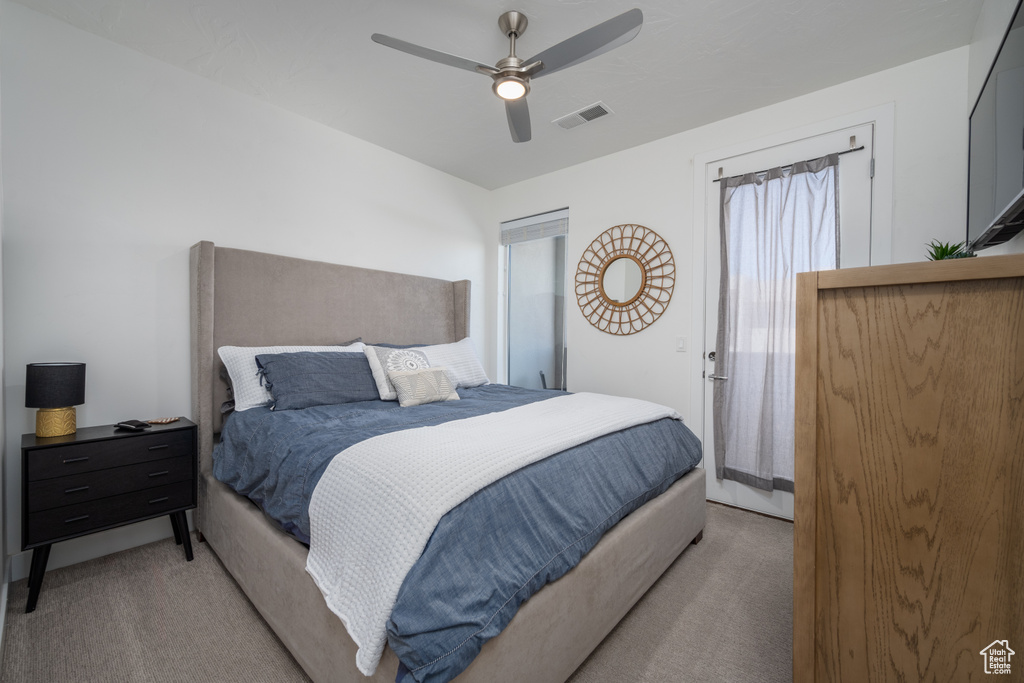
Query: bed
[[247, 298]]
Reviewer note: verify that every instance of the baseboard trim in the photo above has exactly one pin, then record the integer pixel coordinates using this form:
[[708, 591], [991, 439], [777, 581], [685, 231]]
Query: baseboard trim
[[746, 509]]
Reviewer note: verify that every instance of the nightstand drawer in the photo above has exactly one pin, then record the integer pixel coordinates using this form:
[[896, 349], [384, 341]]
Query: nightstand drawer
[[79, 488], [53, 525], [60, 461]]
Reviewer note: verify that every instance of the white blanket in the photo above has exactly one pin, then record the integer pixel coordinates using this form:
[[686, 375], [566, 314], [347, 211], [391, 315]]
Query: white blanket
[[378, 502]]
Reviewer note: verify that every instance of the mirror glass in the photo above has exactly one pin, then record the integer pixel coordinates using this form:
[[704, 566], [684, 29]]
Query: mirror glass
[[622, 280]]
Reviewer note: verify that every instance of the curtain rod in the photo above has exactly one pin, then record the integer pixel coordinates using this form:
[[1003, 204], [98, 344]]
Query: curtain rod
[[845, 151]]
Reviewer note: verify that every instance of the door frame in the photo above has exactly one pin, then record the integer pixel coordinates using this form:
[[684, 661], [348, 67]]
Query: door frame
[[705, 170]]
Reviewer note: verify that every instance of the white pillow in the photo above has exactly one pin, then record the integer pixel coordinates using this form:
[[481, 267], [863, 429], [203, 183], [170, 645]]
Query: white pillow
[[459, 359], [240, 361]]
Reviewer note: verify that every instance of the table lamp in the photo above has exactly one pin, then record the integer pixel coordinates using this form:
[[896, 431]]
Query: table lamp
[[55, 389]]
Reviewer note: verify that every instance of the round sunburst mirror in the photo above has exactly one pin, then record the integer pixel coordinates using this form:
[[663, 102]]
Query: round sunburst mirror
[[624, 279]]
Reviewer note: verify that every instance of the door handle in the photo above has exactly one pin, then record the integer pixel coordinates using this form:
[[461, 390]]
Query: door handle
[[717, 378]]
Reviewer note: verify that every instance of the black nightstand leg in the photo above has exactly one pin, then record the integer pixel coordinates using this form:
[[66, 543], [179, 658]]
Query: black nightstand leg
[[40, 556], [182, 526], [174, 525]]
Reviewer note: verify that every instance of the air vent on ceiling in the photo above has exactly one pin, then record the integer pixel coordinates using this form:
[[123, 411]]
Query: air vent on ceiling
[[585, 115]]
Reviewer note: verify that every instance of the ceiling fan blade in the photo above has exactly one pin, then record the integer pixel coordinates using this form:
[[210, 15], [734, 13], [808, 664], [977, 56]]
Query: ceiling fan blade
[[590, 43], [518, 114], [432, 55]]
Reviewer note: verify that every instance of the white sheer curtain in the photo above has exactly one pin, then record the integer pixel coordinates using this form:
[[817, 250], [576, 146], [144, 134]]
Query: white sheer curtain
[[773, 225]]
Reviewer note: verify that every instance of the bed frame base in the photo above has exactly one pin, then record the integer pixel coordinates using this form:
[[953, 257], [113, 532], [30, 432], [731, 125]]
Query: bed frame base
[[550, 636]]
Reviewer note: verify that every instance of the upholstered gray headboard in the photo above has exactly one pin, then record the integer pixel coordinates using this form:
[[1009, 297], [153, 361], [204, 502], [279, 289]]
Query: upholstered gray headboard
[[248, 298]]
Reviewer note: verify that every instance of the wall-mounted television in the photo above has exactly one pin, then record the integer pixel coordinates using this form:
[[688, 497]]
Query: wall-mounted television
[[995, 195]]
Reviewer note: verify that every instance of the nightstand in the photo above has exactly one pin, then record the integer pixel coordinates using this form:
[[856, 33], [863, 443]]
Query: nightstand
[[100, 478]]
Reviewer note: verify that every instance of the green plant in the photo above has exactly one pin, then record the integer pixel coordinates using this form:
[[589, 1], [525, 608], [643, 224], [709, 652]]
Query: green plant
[[940, 251]]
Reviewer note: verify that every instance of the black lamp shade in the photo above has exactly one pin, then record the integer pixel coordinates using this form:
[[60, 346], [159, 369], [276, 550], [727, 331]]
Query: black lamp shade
[[54, 385]]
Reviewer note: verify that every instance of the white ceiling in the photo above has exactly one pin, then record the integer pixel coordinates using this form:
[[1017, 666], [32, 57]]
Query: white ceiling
[[693, 62]]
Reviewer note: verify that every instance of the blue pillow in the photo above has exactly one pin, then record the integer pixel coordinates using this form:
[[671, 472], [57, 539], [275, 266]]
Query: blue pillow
[[316, 378]]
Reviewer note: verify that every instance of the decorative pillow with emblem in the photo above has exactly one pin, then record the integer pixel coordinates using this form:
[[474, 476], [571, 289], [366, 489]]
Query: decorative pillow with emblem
[[386, 360], [459, 359]]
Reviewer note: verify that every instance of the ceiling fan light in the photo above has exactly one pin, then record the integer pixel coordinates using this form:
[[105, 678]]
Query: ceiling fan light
[[511, 87]]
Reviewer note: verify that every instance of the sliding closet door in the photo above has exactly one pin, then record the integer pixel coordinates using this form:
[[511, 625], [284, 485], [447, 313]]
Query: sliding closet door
[[536, 300]]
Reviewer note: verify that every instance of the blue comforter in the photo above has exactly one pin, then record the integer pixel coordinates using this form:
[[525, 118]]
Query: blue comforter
[[489, 554]]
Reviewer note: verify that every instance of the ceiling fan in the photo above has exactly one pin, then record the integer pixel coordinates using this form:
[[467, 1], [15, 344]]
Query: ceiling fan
[[512, 75]]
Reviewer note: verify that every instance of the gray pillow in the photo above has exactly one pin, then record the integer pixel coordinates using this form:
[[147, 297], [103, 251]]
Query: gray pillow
[[306, 378], [416, 387]]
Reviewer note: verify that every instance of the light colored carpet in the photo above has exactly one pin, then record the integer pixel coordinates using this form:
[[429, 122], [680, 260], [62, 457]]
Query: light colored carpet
[[722, 613]]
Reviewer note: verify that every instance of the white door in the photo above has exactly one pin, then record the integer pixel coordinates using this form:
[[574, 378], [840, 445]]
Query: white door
[[854, 250]]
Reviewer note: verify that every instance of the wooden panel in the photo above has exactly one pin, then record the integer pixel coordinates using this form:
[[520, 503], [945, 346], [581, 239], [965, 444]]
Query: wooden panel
[[804, 477], [978, 268], [920, 479]]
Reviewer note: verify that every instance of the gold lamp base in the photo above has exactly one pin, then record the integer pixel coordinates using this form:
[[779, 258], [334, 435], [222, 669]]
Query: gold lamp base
[[56, 421]]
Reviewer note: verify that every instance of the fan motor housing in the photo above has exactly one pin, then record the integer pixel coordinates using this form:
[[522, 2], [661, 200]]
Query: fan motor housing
[[513, 22]]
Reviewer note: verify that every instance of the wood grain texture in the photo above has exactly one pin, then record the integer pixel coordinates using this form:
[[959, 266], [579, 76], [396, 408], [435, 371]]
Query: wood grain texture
[[978, 268], [804, 527], [920, 477]]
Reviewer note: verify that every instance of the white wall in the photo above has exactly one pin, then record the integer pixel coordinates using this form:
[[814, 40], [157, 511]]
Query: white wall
[[652, 185], [115, 163]]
